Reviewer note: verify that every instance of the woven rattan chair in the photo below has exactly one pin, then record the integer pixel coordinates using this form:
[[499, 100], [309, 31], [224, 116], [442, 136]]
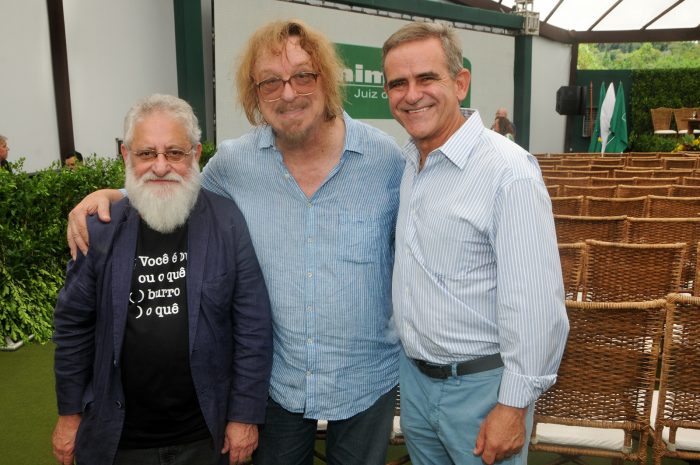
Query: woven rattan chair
[[630, 173], [602, 181], [691, 181], [603, 394], [673, 173], [644, 162], [571, 257], [596, 191], [562, 180], [553, 190], [673, 207], [609, 161], [548, 162], [679, 162], [665, 230], [681, 116], [602, 171], [644, 181], [579, 228], [677, 417], [661, 120], [567, 205], [575, 162], [626, 190], [604, 206], [685, 191], [619, 272]]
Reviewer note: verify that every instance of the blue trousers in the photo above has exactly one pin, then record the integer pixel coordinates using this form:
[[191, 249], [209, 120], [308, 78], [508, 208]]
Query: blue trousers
[[288, 438], [440, 418]]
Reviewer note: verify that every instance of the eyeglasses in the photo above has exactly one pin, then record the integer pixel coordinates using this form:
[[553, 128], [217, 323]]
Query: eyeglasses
[[172, 155], [302, 84]]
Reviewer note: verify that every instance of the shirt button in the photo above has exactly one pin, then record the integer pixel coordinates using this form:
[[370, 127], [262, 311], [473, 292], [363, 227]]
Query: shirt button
[[310, 240], [308, 373], [309, 274], [309, 308], [119, 404], [286, 175], [309, 205], [310, 341]]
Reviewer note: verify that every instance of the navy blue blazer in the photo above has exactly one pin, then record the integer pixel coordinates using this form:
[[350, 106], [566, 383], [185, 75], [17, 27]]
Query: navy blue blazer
[[230, 331]]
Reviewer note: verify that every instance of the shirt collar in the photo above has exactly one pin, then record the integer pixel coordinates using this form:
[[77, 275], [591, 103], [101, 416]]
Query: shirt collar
[[459, 145], [353, 143]]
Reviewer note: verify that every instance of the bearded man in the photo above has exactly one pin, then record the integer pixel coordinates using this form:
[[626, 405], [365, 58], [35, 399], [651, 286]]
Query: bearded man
[[163, 331]]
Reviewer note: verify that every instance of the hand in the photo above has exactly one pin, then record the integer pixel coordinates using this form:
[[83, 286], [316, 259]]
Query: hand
[[63, 438], [97, 202], [502, 433], [240, 441]]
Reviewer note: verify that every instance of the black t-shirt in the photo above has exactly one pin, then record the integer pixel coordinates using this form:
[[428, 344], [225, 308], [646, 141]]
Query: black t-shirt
[[160, 399]]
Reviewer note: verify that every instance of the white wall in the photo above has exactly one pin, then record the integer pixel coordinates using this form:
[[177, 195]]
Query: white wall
[[491, 55], [550, 70], [27, 105], [117, 53]]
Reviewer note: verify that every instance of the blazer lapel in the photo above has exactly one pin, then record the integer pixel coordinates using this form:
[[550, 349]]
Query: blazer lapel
[[123, 253]]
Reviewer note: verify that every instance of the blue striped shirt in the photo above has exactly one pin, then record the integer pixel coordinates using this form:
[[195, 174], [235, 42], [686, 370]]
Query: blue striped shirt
[[327, 262], [477, 266]]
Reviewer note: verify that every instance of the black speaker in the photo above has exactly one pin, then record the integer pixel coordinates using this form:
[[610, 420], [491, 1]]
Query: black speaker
[[570, 100]]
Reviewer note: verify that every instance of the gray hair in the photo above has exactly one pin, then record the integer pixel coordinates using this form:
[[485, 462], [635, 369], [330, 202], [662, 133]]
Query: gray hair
[[3, 139], [176, 107], [422, 31]]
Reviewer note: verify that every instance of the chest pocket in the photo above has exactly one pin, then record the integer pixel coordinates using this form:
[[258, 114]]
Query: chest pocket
[[361, 239]]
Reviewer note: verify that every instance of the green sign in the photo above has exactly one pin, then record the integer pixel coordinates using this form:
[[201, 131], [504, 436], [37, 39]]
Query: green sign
[[364, 82]]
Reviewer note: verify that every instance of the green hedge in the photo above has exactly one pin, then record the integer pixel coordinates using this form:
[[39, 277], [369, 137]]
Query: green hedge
[[33, 250]]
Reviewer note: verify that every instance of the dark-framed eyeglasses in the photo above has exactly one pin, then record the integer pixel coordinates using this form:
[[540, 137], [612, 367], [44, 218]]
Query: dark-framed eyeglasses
[[173, 155], [303, 84]]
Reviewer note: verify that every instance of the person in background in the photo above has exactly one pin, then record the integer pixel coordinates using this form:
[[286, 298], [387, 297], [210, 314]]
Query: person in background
[[319, 191], [73, 159], [504, 127], [163, 330], [4, 151], [477, 287]]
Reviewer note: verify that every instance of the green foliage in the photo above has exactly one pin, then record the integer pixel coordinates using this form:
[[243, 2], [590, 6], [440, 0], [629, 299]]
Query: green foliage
[[656, 55], [652, 143], [33, 250], [208, 149]]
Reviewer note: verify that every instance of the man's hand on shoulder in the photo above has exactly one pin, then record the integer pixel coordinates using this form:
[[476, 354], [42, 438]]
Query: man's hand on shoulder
[[96, 202], [502, 433], [240, 440]]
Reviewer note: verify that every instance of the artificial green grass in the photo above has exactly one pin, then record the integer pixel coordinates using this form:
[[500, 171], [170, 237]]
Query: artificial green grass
[[28, 411]]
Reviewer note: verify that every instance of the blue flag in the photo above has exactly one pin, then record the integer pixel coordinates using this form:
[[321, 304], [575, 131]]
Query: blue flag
[[596, 143]]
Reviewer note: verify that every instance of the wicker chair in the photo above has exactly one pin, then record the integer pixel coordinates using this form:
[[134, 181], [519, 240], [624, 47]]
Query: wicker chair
[[673, 173], [609, 161], [661, 120], [644, 162], [676, 422], [629, 173], [619, 272], [665, 230], [562, 180], [691, 181], [644, 181], [567, 205], [579, 228], [681, 116], [604, 206], [602, 181], [679, 162], [596, 191], [603, 394], [673, 207], [681, 190], [571, 257], [553, 190], [575, 162], [626, 190]]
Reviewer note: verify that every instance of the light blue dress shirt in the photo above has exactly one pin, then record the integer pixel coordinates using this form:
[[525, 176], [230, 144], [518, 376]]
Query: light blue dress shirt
[[327, 262], [477, 266]]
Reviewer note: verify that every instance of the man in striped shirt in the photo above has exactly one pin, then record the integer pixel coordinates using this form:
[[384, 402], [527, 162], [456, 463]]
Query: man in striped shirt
[[477, 288]]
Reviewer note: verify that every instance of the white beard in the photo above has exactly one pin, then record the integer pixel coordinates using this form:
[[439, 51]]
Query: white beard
[[163, 207]]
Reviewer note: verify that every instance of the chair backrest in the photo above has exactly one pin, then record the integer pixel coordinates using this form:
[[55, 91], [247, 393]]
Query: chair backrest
[[660, 206], [608, 161], [597, 191], [673, 173], [691, 181], [661, 120], [625, 190], [655, 181], [679, 383], [609, 181], [606, 376], [630, 173], [681, 116], [579, 228], [553, 190], [567, 205], [665, 230], [575, 162], [680, 162], [571, 257], [645, 162], [681, 190], [618, 272], [604, 206], [571, 181]]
